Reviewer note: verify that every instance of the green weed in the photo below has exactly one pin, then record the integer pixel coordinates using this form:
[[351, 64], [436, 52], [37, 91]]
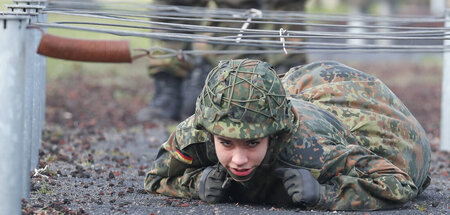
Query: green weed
[[44, 188]]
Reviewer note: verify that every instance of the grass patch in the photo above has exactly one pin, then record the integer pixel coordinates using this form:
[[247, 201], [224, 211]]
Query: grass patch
[[2, 5], [45, 189]]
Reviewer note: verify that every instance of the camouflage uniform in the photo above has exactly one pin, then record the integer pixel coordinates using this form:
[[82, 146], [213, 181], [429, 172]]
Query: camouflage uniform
[[349, 130], [176, 81], [182, 69]]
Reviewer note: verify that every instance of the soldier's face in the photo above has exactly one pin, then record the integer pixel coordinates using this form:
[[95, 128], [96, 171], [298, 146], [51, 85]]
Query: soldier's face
[[240, 157]]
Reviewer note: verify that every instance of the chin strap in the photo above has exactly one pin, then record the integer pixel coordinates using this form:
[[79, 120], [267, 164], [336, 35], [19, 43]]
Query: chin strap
[[228, 179], [227, 183]]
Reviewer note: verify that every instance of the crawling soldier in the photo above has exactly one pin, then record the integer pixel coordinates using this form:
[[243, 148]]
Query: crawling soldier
[[325, 136]]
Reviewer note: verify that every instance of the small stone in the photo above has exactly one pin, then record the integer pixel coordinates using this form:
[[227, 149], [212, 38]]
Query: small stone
[[111, 175], [130, 190]]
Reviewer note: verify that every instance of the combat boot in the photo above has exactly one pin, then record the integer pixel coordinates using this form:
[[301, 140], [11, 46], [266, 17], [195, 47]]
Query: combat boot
[[193, 85], [166, 100]]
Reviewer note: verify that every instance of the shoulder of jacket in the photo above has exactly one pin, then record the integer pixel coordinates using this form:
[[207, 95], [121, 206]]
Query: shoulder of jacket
[[187, 134]]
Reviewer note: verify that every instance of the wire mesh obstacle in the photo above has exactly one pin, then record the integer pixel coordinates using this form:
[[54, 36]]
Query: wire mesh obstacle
[[325, 33]]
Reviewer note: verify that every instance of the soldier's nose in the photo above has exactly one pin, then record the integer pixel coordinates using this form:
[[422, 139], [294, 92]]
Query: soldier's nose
[[239, 157]]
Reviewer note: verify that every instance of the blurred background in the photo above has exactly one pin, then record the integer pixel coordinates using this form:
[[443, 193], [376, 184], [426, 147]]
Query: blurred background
[[103, 95]]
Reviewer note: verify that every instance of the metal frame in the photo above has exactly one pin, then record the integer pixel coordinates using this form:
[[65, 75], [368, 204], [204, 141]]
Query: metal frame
[[34, 106], [12, 102], [22, 101]]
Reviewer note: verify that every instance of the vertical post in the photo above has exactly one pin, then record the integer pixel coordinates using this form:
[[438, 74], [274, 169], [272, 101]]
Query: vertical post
[[385, 9], [437, 7], [445, 100], [356, 10], [42, 63], [12, 88], [38, 97], [29, 8], [37, 66]]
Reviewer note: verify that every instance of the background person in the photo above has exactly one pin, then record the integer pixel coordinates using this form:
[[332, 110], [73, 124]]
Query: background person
[[178, 82]]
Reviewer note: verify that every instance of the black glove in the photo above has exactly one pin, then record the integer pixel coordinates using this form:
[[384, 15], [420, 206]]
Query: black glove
[[214, 184], [301, 186]]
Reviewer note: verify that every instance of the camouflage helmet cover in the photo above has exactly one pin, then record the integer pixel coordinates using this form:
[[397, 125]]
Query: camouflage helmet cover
[[243, 99]]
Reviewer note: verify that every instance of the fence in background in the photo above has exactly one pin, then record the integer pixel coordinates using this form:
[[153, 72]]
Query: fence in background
[[22, 93]]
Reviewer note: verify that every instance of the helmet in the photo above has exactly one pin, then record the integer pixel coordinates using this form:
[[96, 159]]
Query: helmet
[[243, 99]]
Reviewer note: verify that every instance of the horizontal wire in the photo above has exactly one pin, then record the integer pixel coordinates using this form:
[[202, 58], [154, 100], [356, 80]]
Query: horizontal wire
[[304, 17], [232, 30], [246, 42], [236, 12], [274, 51], [257, 38], [255, 21], [174, 53], [304, 34]]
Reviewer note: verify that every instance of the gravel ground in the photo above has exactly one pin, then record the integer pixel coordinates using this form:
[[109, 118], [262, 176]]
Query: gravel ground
[[102, 172], [94, 154]]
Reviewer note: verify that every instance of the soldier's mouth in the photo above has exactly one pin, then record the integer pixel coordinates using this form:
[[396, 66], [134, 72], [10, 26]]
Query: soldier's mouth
[[241, 172]]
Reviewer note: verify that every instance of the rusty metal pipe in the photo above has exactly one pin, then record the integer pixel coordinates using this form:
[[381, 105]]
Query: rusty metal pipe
[[107, 51]]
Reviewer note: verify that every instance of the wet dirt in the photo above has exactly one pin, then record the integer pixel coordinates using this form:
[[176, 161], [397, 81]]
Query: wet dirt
[[94, 154]]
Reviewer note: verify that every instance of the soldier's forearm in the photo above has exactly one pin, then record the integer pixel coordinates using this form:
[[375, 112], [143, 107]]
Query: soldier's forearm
[[184, 186], [353, 193]]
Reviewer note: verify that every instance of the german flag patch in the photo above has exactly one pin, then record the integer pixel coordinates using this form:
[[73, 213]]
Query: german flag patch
[[182, 157]]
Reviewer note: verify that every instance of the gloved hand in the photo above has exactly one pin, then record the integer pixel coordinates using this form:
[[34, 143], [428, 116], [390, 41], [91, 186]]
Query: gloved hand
[[214, 184], [301, 186]]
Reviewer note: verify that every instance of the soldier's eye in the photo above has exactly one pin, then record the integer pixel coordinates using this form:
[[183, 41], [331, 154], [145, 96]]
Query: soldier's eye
[[226, 144], [253, 144]]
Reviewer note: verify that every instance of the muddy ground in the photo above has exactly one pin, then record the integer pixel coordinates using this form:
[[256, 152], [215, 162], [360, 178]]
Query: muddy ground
[[94, 154]]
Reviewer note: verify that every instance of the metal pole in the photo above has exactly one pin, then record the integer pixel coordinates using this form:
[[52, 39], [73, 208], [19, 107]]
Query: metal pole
[[12, 88], [31, 9], [445, 100], [38, 67], [39, 96], [42, 63], [437, 7], [356, 9]]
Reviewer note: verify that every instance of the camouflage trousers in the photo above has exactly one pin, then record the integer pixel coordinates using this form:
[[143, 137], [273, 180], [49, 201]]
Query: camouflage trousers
[[371, 111], [181, 68]]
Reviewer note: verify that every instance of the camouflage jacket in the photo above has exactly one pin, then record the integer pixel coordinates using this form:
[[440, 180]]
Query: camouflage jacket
[[352, 133]]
